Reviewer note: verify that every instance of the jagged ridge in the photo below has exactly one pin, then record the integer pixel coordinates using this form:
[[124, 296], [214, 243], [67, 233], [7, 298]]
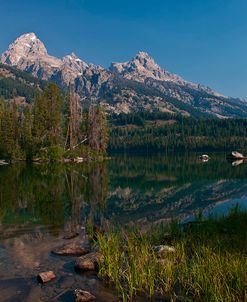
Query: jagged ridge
[[139, 84]]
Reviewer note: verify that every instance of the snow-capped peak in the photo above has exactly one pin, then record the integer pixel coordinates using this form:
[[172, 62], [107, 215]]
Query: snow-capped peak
[[72, 56], [28, 53], [31, 40], [74, 62], [24, 47], [143, 54], [32, 36]]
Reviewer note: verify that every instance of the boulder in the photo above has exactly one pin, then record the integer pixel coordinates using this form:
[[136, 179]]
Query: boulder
[[67, 160], [83, 296], [71, 249], [89, 262], [46, 276], [163, 250]]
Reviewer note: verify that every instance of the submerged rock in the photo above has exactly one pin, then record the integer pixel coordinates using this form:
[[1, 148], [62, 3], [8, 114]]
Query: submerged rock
[[71, 249], [89, 262], [46, 276], [70, 235], [163, 250], [15, 289], [83, 296]]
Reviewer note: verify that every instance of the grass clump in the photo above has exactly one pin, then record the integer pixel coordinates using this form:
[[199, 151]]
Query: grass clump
[[209, 262]]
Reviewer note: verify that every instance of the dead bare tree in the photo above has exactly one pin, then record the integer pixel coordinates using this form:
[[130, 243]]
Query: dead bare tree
[[73, 136], [15, 117]]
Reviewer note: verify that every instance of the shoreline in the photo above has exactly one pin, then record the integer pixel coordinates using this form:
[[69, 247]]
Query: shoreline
[[199, 261]]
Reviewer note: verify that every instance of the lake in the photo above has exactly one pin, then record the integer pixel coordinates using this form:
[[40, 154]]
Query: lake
[[40, 203]]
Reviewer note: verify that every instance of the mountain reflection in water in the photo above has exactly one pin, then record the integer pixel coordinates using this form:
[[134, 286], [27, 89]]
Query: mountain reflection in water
[[41, 203], [122, 190]]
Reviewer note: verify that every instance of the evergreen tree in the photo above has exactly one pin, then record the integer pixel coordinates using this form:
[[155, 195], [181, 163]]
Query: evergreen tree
[[7, 133], [47, 129], [38, 130], [26, 126]]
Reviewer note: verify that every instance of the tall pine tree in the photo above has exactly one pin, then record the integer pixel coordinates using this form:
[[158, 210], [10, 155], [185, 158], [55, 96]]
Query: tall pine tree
[[47, 128]]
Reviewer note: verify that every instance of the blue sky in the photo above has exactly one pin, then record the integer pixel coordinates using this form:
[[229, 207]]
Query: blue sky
[[204, 41]]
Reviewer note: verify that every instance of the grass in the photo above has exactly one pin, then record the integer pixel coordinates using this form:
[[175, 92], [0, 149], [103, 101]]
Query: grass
[[209, 262]]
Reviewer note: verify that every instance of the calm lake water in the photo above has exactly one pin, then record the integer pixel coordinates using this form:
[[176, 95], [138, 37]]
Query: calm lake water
[[39, 204]]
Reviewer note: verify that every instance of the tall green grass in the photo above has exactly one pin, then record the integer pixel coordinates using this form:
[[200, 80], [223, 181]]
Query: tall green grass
[[209, 264]]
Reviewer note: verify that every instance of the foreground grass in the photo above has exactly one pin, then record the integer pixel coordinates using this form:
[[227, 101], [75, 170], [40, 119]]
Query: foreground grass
[[209, 262]]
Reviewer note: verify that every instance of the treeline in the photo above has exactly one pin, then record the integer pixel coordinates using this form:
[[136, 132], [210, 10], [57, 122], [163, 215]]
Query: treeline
[[140, 118], [54, 127], [152, 132]]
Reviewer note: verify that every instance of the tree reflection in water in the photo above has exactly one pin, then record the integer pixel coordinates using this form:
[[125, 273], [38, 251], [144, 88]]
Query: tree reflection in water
[[123, 189], [52, 194]]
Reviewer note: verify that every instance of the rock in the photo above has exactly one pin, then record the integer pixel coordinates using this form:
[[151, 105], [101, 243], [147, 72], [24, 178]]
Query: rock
[[83, 296], [79, 160], [67, 160], [70, 235], [71, 249], [163, 250], [89, 262], [3, 162], [46, 276]]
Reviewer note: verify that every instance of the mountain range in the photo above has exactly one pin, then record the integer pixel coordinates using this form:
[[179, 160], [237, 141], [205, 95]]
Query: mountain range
[[139, 84]]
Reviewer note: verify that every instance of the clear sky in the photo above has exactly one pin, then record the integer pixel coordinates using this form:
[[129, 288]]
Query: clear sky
[[205, 41]]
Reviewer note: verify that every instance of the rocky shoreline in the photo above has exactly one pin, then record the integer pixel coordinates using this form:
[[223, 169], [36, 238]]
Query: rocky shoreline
[[87, 260]]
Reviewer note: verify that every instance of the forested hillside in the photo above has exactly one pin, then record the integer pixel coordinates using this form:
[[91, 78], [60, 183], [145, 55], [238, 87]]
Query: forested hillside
[[142, 131], [14, 82], [152, 132]]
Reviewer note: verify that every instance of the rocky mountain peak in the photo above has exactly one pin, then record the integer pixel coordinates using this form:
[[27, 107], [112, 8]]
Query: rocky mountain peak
[[144, 60], [26, 46], [72, 57], [28, 53], [142, 67], [75, 63], [27, 36], [118, 89], [143, 55], [32, 36]]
